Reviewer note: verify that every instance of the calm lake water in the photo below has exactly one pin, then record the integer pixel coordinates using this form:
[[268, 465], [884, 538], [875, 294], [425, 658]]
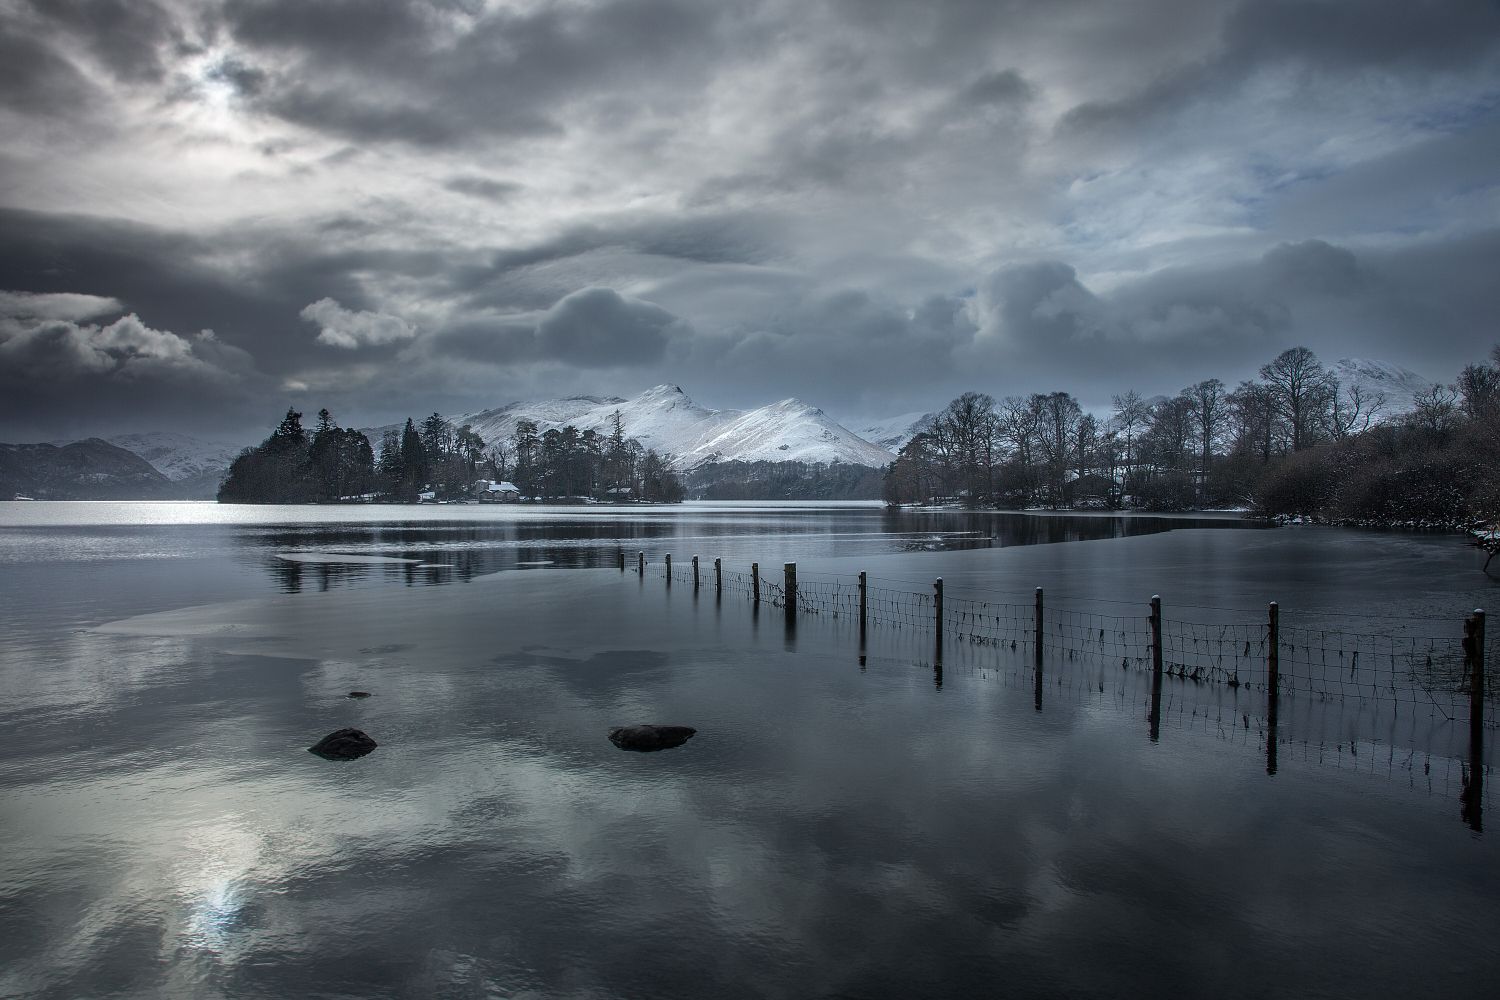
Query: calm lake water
[[838, 827]]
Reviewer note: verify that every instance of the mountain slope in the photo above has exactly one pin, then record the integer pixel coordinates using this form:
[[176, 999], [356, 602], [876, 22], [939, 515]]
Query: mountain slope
[[667, 420], [892, 433], [83, 470], [1398, 385]]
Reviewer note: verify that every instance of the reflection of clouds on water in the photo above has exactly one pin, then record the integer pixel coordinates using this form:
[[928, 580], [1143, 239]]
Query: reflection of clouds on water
[[827, 831]]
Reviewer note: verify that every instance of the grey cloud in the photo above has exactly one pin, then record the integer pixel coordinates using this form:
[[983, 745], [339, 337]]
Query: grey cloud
[[599, 328], [484, 188], [1002, 87], [35, 80], [246, 79], [125, 36], [394, 72], [1041, 303], [1383, 35], [350, 329], [1313, 266]]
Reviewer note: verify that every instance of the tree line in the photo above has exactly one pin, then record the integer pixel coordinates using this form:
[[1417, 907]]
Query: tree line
[[1292, 442], [435, 460]]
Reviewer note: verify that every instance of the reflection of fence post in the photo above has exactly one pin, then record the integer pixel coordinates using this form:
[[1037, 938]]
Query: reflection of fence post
[[695, 572], [1155, 666], [669, 569], [789, 572], [640, 563], [718, 575], [1473, 799], [755, 581]]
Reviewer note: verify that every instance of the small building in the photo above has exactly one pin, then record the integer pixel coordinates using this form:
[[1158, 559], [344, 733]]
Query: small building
[[493, 491]]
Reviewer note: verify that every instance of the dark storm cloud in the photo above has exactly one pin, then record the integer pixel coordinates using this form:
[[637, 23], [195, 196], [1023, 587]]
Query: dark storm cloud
[[1317, 40], [77, 361], [125, 36], [599, 328], [181, 276], [34, 79], [1183, 325], [484, 187], [395, 72], [1002, 87], [590, 328]]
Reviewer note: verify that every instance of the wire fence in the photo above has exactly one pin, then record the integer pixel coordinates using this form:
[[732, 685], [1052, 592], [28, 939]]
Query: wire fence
[[1417, 665]]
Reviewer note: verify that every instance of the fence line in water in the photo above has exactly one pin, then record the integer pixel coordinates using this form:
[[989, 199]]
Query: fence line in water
[[1443, 671]]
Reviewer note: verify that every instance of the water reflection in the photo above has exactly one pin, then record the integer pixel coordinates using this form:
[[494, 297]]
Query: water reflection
[[469, 550]]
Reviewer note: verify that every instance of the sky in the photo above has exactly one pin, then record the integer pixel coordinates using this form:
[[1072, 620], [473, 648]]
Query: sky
[[211, 211]]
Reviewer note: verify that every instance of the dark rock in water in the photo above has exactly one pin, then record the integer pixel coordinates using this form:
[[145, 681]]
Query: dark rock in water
[[359, 694], [646, 738], [343, 744]]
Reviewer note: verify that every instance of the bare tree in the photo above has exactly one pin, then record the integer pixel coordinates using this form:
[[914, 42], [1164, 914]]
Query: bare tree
[[1303, 391], [1210, 413], [1354, 410], [1435, 412], [1131, 415]]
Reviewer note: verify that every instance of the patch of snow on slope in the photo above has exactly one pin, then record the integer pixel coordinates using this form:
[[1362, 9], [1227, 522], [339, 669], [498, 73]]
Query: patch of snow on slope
[[665, 419], [1398, 385], [178, 456], [892, 433]]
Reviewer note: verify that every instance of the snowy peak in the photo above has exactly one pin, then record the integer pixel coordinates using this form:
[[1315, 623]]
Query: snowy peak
[[666, 419], [1398, 385]]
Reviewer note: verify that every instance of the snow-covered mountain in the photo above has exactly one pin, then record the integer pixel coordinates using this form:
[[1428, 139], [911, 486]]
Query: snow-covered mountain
[[178, 456], [665, 419], [1398, 385], [892, 433]]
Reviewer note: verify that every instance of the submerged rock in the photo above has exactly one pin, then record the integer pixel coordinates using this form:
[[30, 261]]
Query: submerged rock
[[343, 744], [359, 694], [645, 738]]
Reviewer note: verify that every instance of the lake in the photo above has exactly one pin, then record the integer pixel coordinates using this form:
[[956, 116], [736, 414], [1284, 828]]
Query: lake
[[856, 816]]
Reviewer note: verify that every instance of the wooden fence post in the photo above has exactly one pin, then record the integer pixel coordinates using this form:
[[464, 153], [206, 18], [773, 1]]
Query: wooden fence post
[[755, 581], [669, 569], [1273, 683], [718, 575], [1155, 667], [640, 563], [789, 571], [622, 560], [1036, 652], [1273, 659], [695, 572]]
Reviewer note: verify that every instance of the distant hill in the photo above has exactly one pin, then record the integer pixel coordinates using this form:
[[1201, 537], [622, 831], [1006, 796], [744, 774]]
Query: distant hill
[[92, 469]]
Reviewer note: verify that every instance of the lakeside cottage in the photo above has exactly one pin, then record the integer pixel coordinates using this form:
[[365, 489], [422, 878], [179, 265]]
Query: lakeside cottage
[[492, 491]]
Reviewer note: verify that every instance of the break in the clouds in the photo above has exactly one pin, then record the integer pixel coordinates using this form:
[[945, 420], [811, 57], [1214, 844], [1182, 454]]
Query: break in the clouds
[[392, 207]]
